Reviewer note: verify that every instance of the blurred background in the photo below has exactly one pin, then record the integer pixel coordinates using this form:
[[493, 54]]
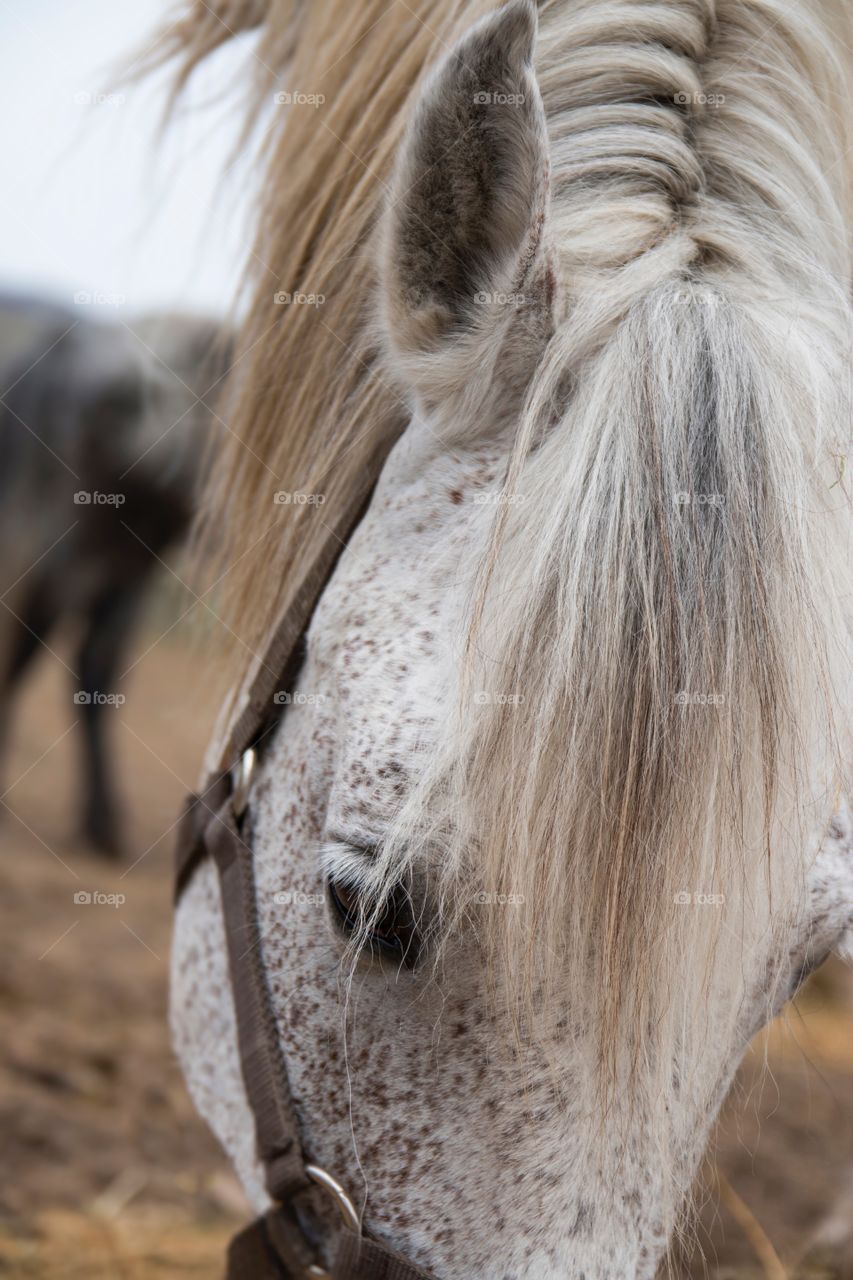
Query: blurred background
[[96, 198], [121, 253]]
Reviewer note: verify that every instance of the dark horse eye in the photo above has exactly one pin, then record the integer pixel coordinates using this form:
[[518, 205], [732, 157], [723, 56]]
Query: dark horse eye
[[392, 933]]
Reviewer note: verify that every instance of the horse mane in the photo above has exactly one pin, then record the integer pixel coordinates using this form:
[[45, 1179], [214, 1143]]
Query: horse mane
[[699, 184], [312, 412]]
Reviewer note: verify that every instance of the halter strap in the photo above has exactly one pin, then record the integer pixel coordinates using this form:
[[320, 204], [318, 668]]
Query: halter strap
[[216, 824]]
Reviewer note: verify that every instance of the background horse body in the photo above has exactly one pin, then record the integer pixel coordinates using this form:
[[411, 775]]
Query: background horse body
[[103, 435], [564, 788]]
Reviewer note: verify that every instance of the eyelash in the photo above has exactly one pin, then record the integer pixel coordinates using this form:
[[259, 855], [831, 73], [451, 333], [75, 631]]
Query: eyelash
[[397, 941]]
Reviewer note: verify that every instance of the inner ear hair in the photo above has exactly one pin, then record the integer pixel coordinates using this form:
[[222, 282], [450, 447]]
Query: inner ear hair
[[470, 191]]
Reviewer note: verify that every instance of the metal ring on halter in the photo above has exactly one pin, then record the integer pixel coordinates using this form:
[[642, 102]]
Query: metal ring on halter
[[348, 1211], [241, 781]]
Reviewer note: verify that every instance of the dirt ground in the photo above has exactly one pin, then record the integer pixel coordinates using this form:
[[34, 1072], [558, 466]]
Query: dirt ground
[[107, 1174]]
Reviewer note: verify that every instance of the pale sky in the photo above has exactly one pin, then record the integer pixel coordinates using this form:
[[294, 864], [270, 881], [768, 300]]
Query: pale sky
[[90, 198]]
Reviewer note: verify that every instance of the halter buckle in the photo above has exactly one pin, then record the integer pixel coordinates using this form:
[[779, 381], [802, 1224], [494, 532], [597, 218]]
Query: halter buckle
[[241, 781], [348, 1211]]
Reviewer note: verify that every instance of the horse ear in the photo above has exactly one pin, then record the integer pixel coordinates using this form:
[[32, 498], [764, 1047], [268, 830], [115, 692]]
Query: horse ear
[[468, 201]]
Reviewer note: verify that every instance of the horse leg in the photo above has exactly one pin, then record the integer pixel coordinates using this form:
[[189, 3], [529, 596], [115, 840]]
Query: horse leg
[[107, 627], [25, 634]]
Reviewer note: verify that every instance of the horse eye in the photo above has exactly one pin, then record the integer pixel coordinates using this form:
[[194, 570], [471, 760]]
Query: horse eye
[[392, 934]]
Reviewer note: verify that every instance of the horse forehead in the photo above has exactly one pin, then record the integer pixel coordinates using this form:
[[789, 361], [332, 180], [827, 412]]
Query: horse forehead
[[383, 640], [402, 577]]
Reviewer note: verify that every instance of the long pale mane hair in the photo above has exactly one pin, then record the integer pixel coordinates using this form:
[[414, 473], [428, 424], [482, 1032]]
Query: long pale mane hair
[[668, 596]]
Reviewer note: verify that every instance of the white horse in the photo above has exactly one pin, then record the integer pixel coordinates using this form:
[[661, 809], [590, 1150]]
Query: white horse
[[554, 821]]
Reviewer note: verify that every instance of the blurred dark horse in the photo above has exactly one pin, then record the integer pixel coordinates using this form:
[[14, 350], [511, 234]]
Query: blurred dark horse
[[103, 429]]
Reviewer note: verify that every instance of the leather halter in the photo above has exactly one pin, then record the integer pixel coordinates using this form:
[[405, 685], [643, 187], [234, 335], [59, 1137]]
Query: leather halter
[[216, 824]]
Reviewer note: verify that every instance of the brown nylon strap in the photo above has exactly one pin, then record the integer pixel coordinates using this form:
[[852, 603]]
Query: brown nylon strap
[[276, 671], [264, 1071], [253, 1256], [190, 848], [359, 1258], [257, 1254], [273, 1247], [283, 657]]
